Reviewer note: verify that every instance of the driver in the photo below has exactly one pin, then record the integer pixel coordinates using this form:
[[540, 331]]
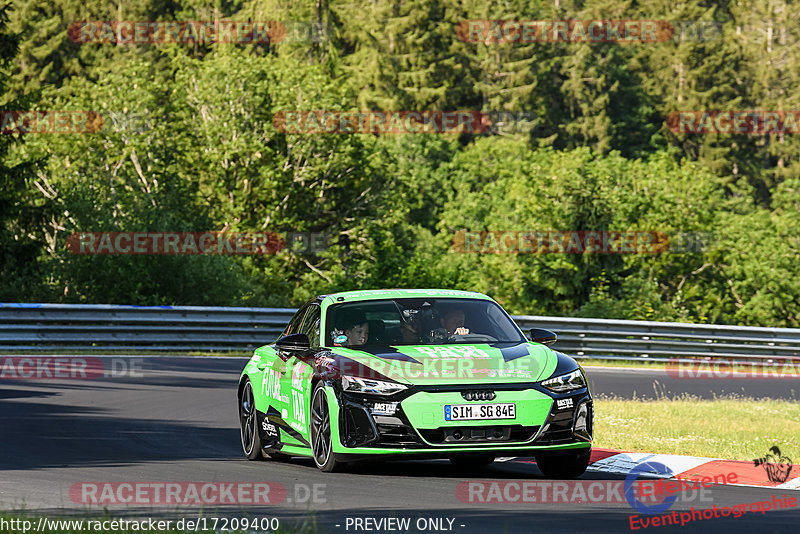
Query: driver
[[453, 322]]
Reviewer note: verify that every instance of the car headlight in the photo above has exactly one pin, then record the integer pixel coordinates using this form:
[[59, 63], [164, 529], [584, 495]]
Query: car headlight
[[366, 385], [567, 382]]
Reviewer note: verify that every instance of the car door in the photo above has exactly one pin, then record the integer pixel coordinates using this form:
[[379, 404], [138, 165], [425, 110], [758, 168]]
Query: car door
[[268, 387], [296, 379]]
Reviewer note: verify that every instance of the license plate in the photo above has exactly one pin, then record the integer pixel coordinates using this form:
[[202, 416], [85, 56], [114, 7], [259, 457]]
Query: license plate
[[384, 408], [466, 412]]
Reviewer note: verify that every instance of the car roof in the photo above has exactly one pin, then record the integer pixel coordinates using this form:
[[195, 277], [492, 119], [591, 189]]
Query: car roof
[[375, 294]]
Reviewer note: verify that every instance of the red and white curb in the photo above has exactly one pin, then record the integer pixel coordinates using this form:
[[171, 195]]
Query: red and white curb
[[687, 467]]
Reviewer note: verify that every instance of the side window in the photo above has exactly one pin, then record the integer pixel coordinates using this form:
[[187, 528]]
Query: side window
[[294, 324], [310, 325]]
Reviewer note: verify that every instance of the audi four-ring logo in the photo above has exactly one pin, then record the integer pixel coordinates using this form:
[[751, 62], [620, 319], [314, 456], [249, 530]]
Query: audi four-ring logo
[[478, 395]]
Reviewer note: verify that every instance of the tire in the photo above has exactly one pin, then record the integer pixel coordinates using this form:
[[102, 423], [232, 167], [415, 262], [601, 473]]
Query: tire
[[251, 441], [472, 460], [321, 436], [563, 464]]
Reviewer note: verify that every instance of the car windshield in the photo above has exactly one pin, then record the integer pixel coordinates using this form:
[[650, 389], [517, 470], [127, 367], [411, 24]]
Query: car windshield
[[415, 321]]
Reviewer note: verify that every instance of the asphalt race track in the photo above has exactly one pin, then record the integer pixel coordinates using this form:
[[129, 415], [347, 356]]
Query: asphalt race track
[[644, 383], [176, 421]]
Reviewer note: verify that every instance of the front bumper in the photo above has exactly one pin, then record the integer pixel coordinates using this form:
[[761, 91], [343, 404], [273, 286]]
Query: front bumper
[[543, 420]]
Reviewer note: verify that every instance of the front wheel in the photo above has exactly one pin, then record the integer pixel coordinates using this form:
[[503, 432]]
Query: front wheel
[[563, 464], [321, 437], [251, 441]]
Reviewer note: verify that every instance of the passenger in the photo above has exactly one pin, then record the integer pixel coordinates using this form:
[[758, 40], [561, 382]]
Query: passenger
[[355, 326]]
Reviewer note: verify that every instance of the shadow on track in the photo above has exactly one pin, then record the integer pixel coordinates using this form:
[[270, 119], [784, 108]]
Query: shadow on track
[[38, 435]]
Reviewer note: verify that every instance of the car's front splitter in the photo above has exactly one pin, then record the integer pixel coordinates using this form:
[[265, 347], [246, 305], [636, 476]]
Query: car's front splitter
[[367, 453]]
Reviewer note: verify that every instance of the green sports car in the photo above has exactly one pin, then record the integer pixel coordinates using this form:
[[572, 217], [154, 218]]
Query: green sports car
[[414, 373]]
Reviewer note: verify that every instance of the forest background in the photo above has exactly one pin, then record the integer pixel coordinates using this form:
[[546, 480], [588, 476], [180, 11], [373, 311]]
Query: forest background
[[189, 145]]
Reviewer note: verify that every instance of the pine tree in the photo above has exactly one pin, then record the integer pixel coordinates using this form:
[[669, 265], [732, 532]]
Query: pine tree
[[699, 72], [405, 56], [770, 44]]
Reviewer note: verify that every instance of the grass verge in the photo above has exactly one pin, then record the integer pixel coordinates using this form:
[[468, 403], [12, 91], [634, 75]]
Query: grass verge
[[734, 428]]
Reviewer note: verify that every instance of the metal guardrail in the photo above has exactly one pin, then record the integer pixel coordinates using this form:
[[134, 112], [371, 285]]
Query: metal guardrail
[[92, 327], [98, 327], [658, 341]]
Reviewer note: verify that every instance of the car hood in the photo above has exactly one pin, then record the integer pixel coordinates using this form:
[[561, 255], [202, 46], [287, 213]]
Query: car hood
[[492, 363]]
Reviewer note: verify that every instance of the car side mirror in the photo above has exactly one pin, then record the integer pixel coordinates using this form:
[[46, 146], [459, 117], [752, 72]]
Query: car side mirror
[[545, 337], [295, 344]]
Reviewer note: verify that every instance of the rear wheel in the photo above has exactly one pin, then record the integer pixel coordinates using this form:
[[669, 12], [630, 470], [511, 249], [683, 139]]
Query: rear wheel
[[251, 442], [321, 436], [563, 464]]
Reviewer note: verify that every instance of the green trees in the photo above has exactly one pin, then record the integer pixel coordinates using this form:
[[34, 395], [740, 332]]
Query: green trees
[[20, 215], [189, 144], [405, 56], [503, 186]]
